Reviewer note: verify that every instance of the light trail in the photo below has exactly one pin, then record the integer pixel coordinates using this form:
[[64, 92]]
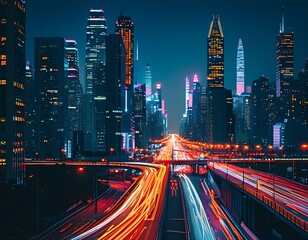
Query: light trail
[[199, 224], [139, 215]]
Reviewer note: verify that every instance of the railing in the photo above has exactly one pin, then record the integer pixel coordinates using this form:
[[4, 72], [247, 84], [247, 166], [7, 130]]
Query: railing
[[274, 205]]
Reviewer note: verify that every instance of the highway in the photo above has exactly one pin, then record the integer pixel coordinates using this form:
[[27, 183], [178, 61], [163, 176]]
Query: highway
[[287, 195], [205, 218], [199, 225], [77, 223], [138, 215]]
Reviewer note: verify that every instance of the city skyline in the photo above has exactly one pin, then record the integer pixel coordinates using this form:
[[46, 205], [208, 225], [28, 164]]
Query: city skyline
[[172, 70]]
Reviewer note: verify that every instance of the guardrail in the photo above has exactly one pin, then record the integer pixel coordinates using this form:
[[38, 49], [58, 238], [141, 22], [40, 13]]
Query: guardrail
[[274, 205]]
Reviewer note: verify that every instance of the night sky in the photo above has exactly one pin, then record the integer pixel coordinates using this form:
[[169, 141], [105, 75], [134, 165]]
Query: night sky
[[172, 36]]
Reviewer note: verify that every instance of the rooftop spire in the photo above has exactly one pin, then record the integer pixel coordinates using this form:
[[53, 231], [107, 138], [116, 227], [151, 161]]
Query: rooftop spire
[[282, 20], [215, 27]]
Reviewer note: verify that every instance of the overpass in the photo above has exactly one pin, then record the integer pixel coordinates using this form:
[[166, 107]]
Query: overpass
[[254, 197]]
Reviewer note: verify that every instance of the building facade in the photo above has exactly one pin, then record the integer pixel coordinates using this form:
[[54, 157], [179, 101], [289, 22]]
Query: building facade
[[12, 80], [52, 96], [74, 94], [215, 59], [115, 82], [240, 69], [95, 99], [125, 28]]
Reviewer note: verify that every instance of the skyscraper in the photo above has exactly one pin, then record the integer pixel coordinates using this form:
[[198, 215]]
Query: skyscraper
[[140, 116], [260, 111], [240, 69], [148, 80], [52, 96], [115, 92], [187, 89], [12, 77], [95, 98], [30, 109], [215, 60], [74, 93], [125, 27], [284, 60], [96, 46]]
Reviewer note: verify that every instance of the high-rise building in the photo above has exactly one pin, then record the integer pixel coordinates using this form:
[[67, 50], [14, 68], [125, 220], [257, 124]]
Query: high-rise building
[[140, 116], [136, 65], [30, 110], [148, 80], [219, 118], [74, 94], [12, 77], [115, 92], [215, 60], [95, 98], [52, 96], [187, 89], [241, 109], [260, 111], [240, 69], [125, 27], [284, 60]]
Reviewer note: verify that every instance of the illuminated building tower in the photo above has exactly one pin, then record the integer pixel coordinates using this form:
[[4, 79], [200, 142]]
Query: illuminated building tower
[[30, 101], [187, 89], [12, 76], [136, 65], [215, 60], [74, 93], [148, 80], [125, 27], [196, 96], [260, 111], [52, 95], [115, 92], [140, 116], [284, 60], [240, 69], [95, 99]]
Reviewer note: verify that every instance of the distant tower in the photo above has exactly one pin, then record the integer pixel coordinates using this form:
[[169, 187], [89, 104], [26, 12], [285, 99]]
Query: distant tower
[[148, 80], [240, 69], [284, 59], [215, 60], [195, 81], [140, 116], [187, 89]]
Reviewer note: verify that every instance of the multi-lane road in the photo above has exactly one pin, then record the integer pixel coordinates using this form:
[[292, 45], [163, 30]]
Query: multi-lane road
[[287, 195], [139, 214]]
